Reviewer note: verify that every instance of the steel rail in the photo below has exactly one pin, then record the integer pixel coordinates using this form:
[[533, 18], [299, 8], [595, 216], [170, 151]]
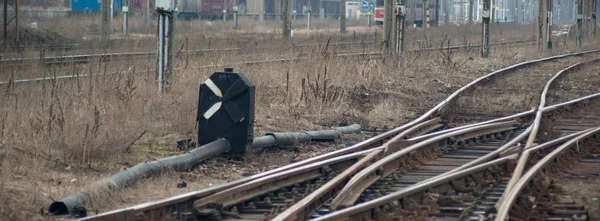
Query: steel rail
[[294, 212], [385, 166], [381, 201], [505, 148], [183, 200], [231, 196], [511, 197], [536, 125], [430, 183], [76, 57], [236, 63], [351, 198], [439, 180], [73, 58]]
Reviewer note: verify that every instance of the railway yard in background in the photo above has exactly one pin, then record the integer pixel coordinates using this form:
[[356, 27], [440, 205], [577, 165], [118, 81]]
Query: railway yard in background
[[453, 126]]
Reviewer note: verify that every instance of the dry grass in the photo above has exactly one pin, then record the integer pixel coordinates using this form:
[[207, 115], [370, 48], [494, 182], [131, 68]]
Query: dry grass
[[57, 137]]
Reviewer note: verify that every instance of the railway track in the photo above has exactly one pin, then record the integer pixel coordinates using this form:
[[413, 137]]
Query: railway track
[[425, 168], [85, 58], [251, 61], [468, 194]]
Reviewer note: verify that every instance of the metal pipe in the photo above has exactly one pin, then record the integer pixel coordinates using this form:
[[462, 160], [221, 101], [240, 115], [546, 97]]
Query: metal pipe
[[76, 203], [285, 139]]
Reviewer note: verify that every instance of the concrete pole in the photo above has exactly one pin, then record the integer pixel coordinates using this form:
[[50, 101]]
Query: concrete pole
[[400, 27], [160, 56], [387, 26], [287, 24], [426, 14], [369, 15], [548, 24], [321, 10], [437, 12], [493, 10], [171, 49], [106, 25], [112, 10], [166, 52], [413, 6], [485, 16], [470, 12], [586, 14], [579, 23], [308, 18], [235, 13], [594, 9], [224, 3], [146, 10], [446, 12], [125, 16], [516, 12], [540, 24], [342, 16]]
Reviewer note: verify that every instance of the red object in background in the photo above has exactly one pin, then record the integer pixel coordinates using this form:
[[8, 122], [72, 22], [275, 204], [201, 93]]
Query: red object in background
[[213, 9], [379, 14]]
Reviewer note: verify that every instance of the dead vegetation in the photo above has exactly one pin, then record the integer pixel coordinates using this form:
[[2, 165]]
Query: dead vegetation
[[59, 136]]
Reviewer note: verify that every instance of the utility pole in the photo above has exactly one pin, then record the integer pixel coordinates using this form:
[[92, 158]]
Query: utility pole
[[470, 12], [387, 26], [425, 14], [437, 13], [399, 13], [342, 16], [14, 4], [287, 24], [165, 58], [369, 14], [548, 22], [125, 16], [224, 3], [412, 9], [516, 13], [308, 10], [579, 23], [146, 10], [321, 10], [106, 21], [586, 14], [235, 12], [493, 8], [540, 24], [446, 12], [485, 16], [593, 22]]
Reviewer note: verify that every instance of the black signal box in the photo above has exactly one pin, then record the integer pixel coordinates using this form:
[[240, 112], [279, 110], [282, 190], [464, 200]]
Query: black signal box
[[226, 110]]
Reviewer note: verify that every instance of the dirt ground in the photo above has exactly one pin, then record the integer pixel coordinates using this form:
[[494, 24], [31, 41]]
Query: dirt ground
[[585, 191], [59, 137]]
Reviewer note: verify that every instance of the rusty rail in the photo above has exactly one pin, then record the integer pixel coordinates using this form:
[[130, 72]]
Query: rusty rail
[[182, 202], [535, 127], [509, 200], [356, 211], [85, 58], [397, 195]]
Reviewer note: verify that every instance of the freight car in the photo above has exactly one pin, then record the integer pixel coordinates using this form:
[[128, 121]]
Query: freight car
[[89, 6], [416, 15]]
